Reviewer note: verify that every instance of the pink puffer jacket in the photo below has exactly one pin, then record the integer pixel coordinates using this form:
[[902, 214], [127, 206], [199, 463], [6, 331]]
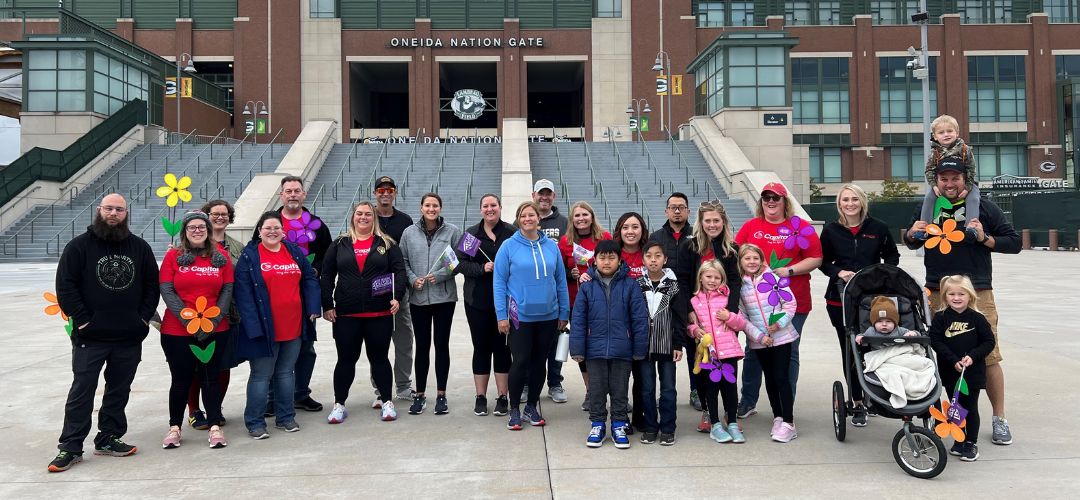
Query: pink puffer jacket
[[725, 334]]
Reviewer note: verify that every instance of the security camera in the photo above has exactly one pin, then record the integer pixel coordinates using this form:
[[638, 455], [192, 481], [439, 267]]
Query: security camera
[[912, 64], [911, 51]]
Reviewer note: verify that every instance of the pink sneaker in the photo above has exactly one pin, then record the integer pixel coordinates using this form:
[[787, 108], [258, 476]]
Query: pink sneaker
[[216, 438], [786, 433], [172, 439], [776, 423]]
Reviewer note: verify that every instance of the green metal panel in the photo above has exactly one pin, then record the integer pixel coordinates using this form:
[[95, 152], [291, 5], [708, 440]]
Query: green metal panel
[[537, 14], [849, 8], [447, 14], [100, 12], [573, 14], [1021, 9], [487, 14], [213, 14], [156, 14], [399, 14], [359, 14]]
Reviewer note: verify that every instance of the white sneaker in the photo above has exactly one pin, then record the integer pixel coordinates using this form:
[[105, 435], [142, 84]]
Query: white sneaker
[[338, 415], [377, 403], [388, 412]]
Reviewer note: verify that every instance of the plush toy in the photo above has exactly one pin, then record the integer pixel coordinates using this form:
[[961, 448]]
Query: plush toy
[[702, 353]]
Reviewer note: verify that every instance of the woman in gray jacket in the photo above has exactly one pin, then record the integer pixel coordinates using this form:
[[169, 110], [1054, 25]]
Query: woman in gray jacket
[[434, 295]]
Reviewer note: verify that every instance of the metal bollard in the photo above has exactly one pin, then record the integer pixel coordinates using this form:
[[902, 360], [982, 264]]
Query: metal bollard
[[1025, 237], [1053, 240]]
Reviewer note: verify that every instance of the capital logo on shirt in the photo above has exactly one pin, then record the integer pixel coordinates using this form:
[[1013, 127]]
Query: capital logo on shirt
[[775, 239], [266, 266], [360, 252], [200, 270]]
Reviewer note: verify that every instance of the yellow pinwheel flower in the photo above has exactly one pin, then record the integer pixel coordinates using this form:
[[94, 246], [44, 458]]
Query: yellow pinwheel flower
[[175, 189]]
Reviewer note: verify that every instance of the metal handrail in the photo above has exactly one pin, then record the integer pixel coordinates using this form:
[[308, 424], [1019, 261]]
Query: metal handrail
[[259, 160], [340, 179], [708, 148], [152, 224], [476, 139], [315, 201], [165, 160], [144, 192], [378, 164], [61, 231], [52, 218], [15, 201], [203, 191]]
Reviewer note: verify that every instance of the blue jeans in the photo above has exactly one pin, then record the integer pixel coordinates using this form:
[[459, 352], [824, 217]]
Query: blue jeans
[[279, 367], [305, 365], [751, 372], [650, 367]]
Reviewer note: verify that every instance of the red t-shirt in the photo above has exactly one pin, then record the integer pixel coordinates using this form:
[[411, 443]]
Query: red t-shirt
[[676, 235], [854, 230], [362, 248], [191, 282], [567, 249], [288, 227], [282, 277], [707, 257], [636, 261], [766, 235]]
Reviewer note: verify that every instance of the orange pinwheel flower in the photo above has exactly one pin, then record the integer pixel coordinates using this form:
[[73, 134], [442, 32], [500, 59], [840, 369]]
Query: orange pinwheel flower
[[946, 427], [200, 316], [943, 235], [54, 308]]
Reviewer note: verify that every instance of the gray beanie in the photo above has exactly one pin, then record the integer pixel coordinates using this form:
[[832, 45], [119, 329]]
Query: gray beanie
[[195, 214], [217, 259]]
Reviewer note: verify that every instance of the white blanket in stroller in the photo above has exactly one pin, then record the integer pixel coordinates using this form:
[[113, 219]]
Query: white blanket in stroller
[[904, 371]]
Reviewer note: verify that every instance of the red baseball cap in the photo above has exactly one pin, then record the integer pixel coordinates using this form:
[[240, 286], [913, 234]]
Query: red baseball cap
[[775, 187]]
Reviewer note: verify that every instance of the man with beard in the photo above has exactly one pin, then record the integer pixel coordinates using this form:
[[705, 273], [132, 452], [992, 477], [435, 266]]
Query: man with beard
[[107, 283], [393, 223], [299, 224]]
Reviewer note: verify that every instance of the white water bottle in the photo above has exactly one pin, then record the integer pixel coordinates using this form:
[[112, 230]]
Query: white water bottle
[[562, 350]]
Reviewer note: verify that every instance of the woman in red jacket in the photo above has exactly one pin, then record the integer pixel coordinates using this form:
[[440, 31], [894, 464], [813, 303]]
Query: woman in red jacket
[[577, 247], [196, 285]]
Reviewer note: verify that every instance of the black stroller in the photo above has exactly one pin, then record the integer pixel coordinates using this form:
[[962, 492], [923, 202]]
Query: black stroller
[[917, 449]]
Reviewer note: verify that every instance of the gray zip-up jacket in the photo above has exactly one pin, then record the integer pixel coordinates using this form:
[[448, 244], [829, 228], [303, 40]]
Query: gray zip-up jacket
[[421, 251]]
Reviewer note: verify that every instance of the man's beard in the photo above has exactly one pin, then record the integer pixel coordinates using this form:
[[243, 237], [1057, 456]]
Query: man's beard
[[117, 233]]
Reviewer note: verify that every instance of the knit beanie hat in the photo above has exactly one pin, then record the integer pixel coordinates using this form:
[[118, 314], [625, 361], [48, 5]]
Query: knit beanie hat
[[883, 307], [217, 259], [195, 214]]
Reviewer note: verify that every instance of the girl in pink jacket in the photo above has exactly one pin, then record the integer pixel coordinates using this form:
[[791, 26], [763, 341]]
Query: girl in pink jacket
[[710, 316], [769, 306]]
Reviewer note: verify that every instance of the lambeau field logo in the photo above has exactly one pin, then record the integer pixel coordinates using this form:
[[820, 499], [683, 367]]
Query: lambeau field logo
[[468, 104]]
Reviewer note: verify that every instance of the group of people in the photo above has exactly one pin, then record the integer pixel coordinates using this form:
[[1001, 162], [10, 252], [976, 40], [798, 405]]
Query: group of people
[[631, 304]]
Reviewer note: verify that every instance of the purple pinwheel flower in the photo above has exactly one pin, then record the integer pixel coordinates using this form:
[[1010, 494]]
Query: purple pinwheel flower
[[775, 288], [720, 370], [797, 233], [302, 230]]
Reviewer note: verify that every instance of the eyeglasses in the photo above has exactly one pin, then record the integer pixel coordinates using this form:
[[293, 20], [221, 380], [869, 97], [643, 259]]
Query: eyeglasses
[[110, 209], [771, 198], [711, 204], [386, 190], [214, 215], [275, 229], [678, 208], [196, 229]]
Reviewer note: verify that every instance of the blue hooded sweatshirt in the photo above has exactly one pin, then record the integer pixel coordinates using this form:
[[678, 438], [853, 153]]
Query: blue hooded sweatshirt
[[532, 273]]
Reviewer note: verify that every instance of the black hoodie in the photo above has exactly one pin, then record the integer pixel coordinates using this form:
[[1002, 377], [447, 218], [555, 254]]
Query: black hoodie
[[968, 257], [666, 235], [395, 225], [843, 251], [690, 263], [111, 287]]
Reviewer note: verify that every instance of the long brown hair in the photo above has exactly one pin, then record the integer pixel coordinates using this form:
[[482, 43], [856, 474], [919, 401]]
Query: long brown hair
[[596, 230], [622, 220], [376, 230], [702, 243]]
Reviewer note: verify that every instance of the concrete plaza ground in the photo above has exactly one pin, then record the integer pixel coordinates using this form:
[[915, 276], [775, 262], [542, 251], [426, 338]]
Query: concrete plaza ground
[[463, 456]]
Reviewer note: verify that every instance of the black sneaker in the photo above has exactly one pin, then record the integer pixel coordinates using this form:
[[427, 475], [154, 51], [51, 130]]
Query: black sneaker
[[480, 409], [308, 404], [667, 438], [63, 461], [419, 404], [859, 418], [957, 448], [198, 421], [269, 409], [970, 453], [648, 437], [440, 405], [114, 447], [629, 430], [502, 406]]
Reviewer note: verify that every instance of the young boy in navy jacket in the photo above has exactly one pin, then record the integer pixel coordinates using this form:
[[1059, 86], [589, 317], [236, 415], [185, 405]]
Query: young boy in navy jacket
[[609, 330]]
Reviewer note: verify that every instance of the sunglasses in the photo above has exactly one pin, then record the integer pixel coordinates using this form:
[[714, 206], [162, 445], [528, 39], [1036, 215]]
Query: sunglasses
[[711, 204], [385, 190], [771, 198]]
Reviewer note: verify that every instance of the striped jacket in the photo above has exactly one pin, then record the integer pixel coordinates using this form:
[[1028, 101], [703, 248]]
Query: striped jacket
[[667, 313]]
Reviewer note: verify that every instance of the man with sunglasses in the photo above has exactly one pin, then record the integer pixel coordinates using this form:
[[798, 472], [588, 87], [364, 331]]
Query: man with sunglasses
[[393, 223]]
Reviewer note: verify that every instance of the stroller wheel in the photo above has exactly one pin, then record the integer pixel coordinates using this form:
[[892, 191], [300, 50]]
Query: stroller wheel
[[923, 456], [839, 404]]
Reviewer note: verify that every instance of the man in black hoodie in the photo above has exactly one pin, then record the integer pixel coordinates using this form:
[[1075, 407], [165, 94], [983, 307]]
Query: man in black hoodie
[[670, 234], [107, 283], [970, 257]]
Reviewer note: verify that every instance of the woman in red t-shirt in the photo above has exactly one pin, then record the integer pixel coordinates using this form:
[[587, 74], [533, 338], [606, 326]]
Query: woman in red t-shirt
[[196, 285], [363, 278], [777, 231], [631, 235], [577, 246]]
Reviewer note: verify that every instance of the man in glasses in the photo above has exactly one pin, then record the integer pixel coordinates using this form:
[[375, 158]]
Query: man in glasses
[[393, 223], [107, 283]]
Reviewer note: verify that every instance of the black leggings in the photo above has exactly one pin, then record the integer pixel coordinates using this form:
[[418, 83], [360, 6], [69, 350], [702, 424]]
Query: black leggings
[[729, 391], [836, 316], [349, 337], [488, 343], [971, 404], [185, 367], [776, 365], [530, 345], [442, 315]]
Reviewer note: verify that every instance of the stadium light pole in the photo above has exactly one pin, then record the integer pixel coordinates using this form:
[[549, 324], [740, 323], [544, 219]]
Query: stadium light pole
[[190, 68], [247, 112], [659, 67], [636, 106], [920, 68]]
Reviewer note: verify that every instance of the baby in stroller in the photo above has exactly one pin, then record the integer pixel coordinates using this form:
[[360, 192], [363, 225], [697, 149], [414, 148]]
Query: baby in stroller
[[904, 369]]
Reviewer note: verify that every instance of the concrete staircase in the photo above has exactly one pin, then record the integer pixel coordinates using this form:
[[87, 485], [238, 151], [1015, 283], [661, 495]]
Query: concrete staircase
[[216, 170], [619, 177], [349, 173]]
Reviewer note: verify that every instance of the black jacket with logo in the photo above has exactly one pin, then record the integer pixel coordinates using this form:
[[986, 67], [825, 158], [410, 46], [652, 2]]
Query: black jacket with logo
[[843, 251], [666, 236], [690, 264], [479, 285], [954, 335], [352, 292], [968, 257], [111, 287]]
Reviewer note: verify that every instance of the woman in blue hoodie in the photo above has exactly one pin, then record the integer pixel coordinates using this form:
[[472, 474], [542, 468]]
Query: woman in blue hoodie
[[530, 289]]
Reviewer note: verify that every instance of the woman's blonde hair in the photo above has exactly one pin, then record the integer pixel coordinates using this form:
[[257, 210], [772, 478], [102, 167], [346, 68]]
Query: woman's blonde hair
[[789, 207], [863, 202], [702, 243], [711, 265], [596, 231], [354, 235], [964, 284], [747, 248]]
